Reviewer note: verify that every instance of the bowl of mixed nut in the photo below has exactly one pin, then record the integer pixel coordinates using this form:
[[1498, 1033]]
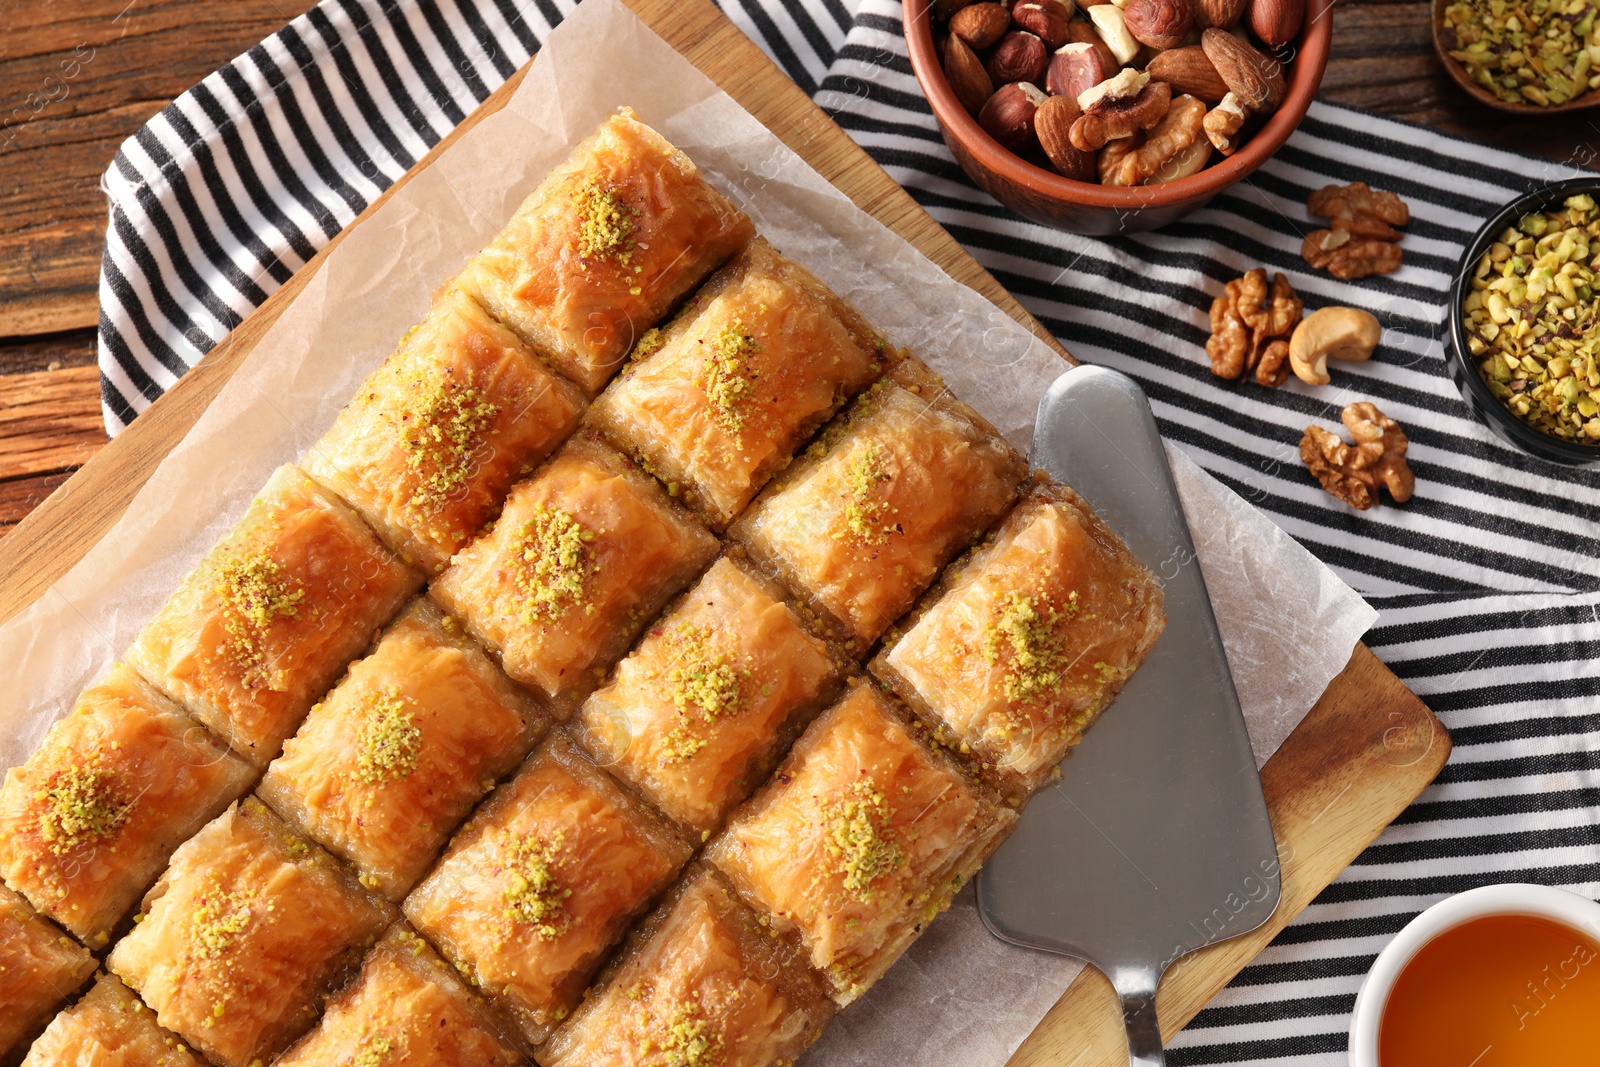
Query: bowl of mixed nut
[[1524, 337], [1117, 115]]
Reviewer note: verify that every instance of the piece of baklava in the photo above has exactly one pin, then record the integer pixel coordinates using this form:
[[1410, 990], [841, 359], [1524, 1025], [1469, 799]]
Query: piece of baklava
[[408, 1008], [246, 932], [893, 489], [587, 551], [109, 1027], [386, 767], [273, 615], [716, 402], [1028, 639], [859, 840], [88, 822], [434, 438], [40, 967], [695, 717], [702, 981], [542, 881], [603, 249]]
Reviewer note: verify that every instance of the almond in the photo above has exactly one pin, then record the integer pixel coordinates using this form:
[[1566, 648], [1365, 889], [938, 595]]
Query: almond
[[1052, 124], [968, 80], [1275, 22], [1019, 57], [1188, 70], [980, 25], [1223, 14], [1256, 79], [1158, 23]]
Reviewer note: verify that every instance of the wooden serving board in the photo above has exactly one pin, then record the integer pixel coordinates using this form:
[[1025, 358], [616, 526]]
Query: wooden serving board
[[1360, 757]]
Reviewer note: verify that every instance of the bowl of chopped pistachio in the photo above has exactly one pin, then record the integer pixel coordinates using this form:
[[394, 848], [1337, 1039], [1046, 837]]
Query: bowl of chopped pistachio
[[1524, 56], [1524, 324]]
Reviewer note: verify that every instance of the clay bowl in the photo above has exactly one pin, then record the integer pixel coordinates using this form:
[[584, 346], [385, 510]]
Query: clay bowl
[[1085, 207], [1483, 96]]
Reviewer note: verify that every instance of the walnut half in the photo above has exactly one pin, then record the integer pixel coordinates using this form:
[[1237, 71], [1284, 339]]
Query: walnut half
[[1354, 472], [1250, 327]]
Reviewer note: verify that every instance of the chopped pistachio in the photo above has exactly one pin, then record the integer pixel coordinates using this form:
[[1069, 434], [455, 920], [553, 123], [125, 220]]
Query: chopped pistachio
[[375, 1051], [726, 376], [685, 1039], [255, 590], [217, 921], [704, 684], [443, 425], [388, 739], [605, 223], [1524, 51], [865, 514], [534, 896], [81, 805], [552, 548], [1026, 638], [860, 838]]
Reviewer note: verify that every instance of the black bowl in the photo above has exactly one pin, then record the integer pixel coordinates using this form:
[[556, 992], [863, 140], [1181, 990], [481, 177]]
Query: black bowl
[[1489, 410]]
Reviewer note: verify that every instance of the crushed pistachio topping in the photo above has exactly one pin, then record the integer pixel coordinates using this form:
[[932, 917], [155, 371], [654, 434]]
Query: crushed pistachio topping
[[555, 563], [1025, 637], [726, 375], [255, 590], [605, 223], [1532, 320], [860, 838], [388, 740], [375, 1051], [649, 343], [444, 424], [1526, 51], [218, 920], [864, 515], [684, 1040], [80, 806], [534, 896], [704, 684]]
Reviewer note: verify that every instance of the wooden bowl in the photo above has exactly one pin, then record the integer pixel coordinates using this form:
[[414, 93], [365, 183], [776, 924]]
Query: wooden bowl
[[1085, 207], [1458, 74]]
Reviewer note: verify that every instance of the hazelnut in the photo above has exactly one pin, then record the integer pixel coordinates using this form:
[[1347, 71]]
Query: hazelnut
[[1008, 115], [1048, 19], [1074, 68], [1158, 23], [980, 25], [1019, 57], [1085, 33]]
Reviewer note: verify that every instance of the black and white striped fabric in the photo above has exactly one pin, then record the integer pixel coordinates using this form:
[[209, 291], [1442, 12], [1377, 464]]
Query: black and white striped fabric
[[1488, 581]]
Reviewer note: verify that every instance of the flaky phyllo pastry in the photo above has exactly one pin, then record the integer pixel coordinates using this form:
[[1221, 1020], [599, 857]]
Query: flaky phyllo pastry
[[524, 718]]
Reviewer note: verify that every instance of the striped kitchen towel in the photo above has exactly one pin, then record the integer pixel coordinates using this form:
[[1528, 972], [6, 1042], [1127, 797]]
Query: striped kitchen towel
[[1488, 580]]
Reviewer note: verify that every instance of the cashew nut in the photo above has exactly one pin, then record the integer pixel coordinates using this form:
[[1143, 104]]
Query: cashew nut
[[1109, 24], [1331, 333]]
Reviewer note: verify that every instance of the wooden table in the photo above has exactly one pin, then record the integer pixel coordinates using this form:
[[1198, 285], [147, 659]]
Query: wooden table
[[60, 133]]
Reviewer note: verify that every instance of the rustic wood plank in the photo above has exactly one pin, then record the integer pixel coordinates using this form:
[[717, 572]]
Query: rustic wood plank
[[47, 422], [76, 79], [19, 496]]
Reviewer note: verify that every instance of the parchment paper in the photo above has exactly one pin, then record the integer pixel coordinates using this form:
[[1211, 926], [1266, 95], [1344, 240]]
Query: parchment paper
[[959, 997]]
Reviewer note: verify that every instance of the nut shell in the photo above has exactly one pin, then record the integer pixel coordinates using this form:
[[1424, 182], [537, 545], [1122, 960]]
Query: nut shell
[[968, 78], [1255, 78], [1019, 57], [980, 25], [1158, 23], [1188, 70]]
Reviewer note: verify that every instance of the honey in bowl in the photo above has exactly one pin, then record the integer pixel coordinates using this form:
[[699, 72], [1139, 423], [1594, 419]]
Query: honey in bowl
[[1498, 991]]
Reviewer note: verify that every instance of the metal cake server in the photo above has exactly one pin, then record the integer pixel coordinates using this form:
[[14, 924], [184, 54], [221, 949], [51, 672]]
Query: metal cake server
[[1156, 841]]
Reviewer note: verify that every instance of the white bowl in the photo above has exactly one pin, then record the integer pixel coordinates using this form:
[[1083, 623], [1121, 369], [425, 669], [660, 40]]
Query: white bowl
[[1542, 901]]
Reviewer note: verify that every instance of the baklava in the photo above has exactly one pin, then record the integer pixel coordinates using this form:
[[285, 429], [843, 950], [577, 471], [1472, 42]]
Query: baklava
[[87, 824], [388, 765], [891, 491], [542, 881], [109, 1027], [273, 615], [860, 839], [760, 357], [604, 248], [40, 967], [435, 437], [695, 717], [703, 981], [246, 932], [407, 1008], [1027, 640], [587, 551]]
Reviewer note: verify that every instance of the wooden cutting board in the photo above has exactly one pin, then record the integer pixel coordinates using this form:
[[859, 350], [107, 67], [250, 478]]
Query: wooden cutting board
[[1360, 757]]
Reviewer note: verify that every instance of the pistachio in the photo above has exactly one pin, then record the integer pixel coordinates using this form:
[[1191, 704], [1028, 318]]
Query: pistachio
[[1530, 320], [1525, 51]]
